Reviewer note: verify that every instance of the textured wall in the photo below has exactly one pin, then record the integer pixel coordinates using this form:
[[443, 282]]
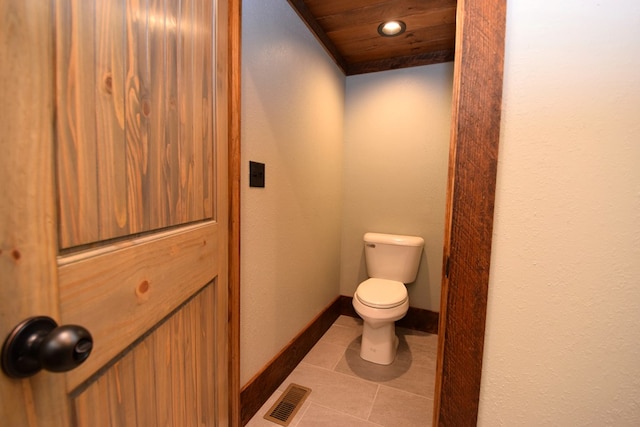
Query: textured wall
[[563, 337], [292, 120], [396, 153]]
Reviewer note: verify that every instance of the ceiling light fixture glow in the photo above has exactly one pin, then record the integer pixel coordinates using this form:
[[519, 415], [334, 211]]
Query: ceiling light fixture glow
[[391, 28]]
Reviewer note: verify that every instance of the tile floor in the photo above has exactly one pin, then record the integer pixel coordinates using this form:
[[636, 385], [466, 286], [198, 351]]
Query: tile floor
[[348, 391]]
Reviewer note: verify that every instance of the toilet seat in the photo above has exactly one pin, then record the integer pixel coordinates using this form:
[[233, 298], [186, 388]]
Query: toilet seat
[[381, 293]]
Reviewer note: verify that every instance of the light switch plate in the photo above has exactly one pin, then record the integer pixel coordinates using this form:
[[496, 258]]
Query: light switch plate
[[256, 174]]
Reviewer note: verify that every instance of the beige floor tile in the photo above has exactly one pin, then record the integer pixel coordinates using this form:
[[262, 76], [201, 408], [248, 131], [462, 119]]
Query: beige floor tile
[[324, 355], [257, 420], [319, 416], [341, 335], [349, 321], [420, 350], [394, 407], [402, 374], [415, 333], [425, 340], [344, 393]]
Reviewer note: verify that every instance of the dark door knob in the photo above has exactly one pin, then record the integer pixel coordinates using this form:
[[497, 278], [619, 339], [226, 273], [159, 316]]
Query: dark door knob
[[39, 343]]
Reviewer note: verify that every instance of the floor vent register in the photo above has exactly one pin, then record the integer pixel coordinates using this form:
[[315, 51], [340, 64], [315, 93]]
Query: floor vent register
[[283, 411]]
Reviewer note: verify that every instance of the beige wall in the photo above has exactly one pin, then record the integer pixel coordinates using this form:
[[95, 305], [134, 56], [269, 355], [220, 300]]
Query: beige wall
[[292, 120], [563, 338], [396, 153]]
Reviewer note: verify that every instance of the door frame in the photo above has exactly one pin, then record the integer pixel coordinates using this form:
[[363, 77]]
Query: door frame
[[473, 158], [475, 133], [235, 23]]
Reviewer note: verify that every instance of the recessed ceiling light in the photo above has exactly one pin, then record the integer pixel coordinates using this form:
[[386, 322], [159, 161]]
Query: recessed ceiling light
[[391, 28]]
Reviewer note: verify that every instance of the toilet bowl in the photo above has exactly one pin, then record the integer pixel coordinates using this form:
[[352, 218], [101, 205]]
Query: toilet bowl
[[380, 303], [392, 261]]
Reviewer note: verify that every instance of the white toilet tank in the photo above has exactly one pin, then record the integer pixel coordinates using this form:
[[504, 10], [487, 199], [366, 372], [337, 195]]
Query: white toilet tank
[[393, 257]]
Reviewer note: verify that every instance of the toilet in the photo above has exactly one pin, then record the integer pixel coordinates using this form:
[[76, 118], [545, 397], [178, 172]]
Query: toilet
[[392, 261]]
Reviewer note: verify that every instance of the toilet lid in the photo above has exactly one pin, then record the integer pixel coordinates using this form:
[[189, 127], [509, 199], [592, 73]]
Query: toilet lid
[[381, 293]]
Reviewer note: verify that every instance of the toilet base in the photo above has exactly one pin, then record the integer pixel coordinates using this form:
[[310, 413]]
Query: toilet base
[[380, 344], [379, 340]]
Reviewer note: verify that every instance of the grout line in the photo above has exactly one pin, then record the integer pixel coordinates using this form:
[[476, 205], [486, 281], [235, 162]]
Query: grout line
[[335, 365], [345, 413], [342, 374], [301, 413], [406, 392], [373, 402]]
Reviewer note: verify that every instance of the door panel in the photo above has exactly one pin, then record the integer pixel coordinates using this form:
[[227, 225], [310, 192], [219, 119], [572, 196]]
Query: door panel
[[153, 276], [114, 169], [134, 119], [165, 393]]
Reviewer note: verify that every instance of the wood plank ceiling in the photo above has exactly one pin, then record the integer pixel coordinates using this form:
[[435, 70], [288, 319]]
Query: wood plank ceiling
[[348, 30]]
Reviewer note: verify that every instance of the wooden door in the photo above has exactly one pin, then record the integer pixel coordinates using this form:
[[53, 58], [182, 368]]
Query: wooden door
[[113, 127]]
